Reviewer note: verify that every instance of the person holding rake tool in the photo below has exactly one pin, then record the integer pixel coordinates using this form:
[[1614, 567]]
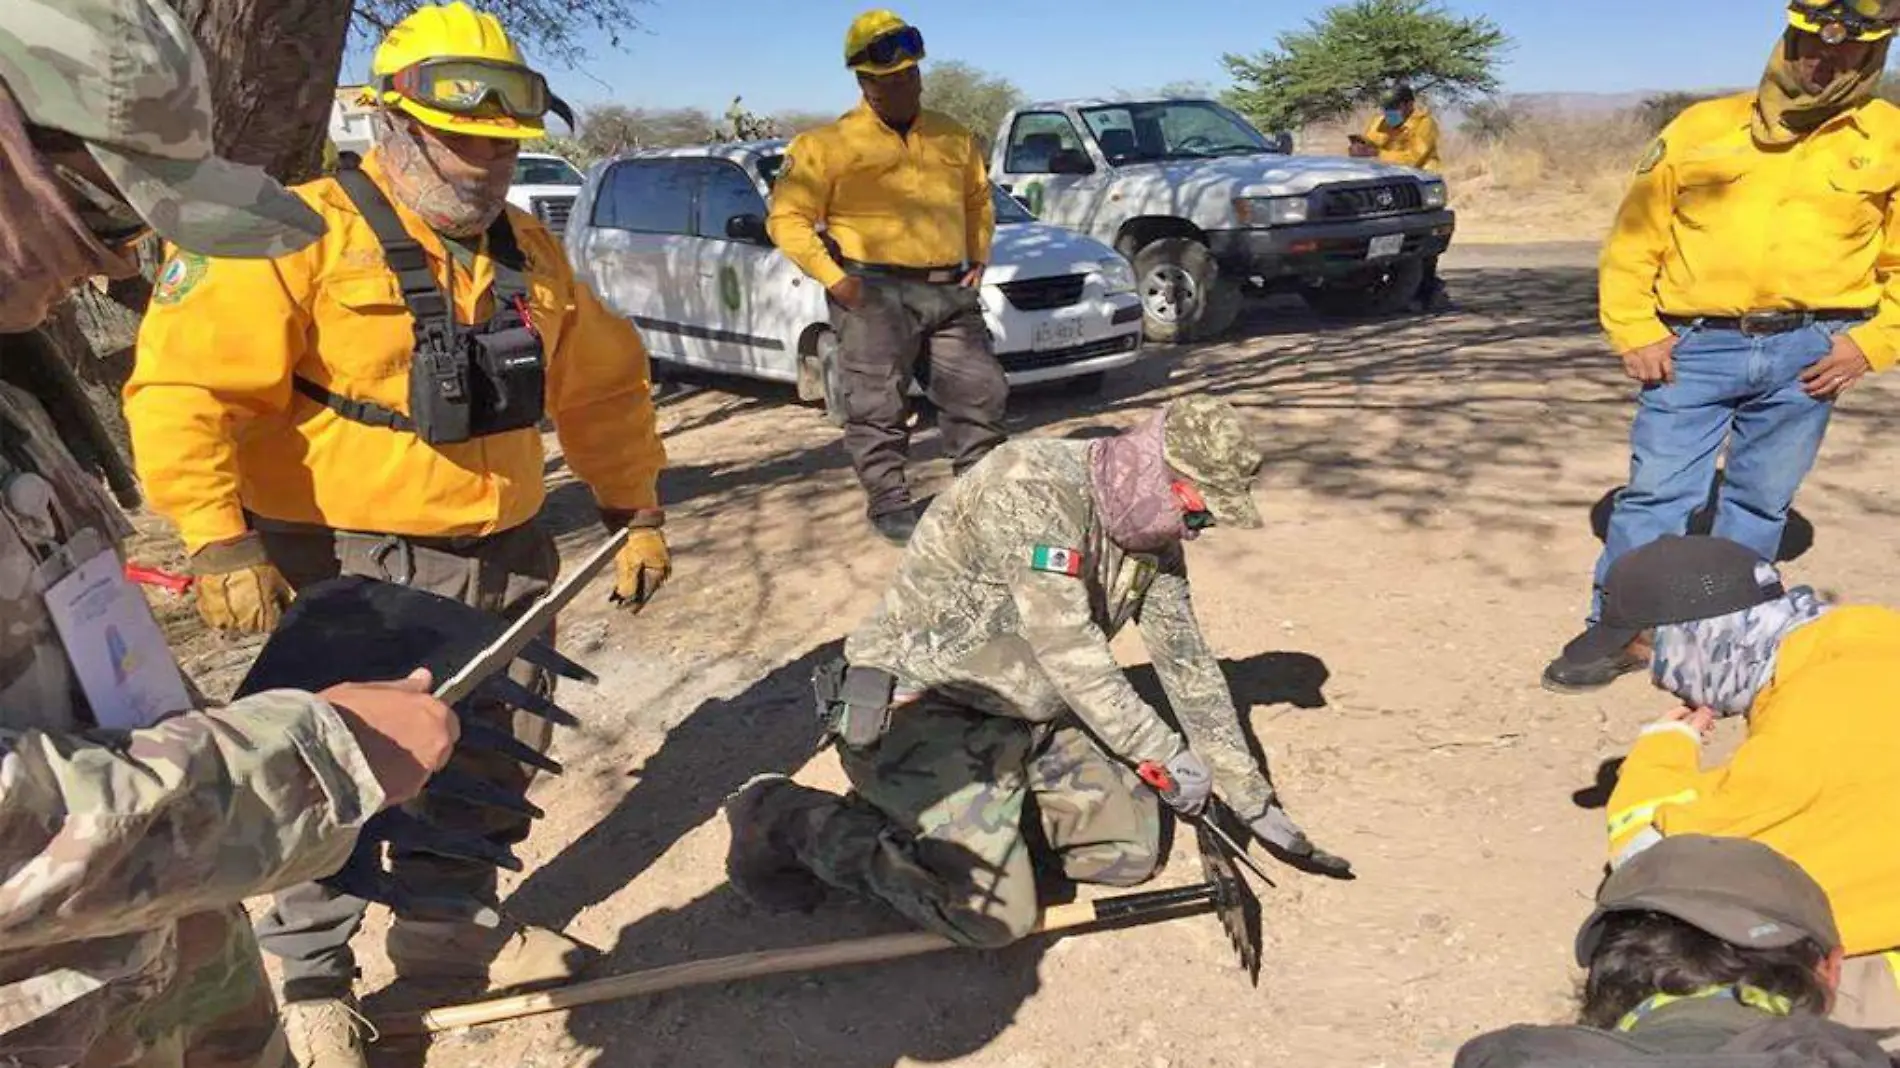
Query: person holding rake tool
[[980, 708]]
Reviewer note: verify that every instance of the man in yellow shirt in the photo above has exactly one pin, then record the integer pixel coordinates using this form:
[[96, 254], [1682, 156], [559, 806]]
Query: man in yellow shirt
[[1406, 133], [904, 197], [1818, 778], [1752, 278], [370, 405]]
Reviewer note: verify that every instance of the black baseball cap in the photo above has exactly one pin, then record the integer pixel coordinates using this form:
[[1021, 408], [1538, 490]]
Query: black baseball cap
[[1738, 890], [1674, 579]]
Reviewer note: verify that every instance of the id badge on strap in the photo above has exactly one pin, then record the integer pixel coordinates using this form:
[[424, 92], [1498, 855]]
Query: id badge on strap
[[112, 640]]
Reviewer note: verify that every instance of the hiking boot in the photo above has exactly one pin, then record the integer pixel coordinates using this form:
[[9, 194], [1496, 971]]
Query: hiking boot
[[764, 817], [484, 960], [325, 1033], [896, 527]]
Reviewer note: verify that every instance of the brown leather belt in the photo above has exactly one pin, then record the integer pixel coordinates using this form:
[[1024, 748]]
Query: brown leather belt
[[932, 275]]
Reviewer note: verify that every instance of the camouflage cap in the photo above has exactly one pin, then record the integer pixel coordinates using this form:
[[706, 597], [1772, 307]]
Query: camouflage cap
[[125, 77], [1204, 439]]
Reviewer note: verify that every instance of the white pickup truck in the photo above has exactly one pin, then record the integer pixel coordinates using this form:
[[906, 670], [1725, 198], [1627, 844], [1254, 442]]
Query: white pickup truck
[[1209, 209]]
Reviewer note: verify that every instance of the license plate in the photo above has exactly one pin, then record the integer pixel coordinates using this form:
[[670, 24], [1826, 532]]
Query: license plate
[[1385, 246], [1057, 334]]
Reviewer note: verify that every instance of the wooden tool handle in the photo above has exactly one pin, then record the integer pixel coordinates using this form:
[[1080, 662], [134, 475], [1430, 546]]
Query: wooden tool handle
[[702, 972]]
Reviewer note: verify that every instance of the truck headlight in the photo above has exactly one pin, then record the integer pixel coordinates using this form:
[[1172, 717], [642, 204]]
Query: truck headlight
[[1271, 211], [1118, 275], [1434, 194]]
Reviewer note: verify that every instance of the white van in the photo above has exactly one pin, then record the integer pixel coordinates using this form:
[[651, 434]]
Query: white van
[[544, 186], [674, 239]]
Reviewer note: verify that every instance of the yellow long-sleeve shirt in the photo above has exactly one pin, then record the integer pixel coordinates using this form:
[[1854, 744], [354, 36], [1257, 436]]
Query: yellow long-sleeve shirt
[[1714, 225], [921, 200], [1413, 143], [1818, 778], [217, 428]]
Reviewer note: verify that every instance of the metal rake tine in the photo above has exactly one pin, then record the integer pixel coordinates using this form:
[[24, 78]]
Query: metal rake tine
[[461, 786], [514, 694], [482, 736], [547, 658]]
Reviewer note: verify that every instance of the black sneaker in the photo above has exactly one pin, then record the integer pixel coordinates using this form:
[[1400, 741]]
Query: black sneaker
[[896, 527], [1567, 676]]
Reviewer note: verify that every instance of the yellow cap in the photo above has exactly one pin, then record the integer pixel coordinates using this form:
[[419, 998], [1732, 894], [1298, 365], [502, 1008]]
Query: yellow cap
[[450, 31], [867, 28]]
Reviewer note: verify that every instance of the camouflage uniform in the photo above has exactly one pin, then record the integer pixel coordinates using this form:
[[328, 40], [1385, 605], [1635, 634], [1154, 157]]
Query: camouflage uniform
[[1010, 700], [123, 855]]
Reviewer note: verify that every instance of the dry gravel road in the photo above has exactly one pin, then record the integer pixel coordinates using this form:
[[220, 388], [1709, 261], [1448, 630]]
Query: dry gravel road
[[1427, 549]]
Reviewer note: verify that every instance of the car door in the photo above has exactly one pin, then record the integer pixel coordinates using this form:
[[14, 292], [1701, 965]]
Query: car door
[[639, 248], [743, 288], [1043, 162]]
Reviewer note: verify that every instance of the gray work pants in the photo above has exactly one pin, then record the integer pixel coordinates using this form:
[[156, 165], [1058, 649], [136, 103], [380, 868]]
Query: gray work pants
[[309, 927], [879, 345]]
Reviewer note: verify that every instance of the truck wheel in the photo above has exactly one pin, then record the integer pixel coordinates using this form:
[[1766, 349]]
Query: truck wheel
[[832, 377], [1183, 296], [1379, 291]]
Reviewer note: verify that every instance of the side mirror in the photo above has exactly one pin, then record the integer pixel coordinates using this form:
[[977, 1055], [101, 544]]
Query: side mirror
[[1282, 143], [748, 228], [1070, 161]]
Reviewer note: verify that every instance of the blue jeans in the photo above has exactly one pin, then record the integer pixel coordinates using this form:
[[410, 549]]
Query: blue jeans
[[1745, 391]]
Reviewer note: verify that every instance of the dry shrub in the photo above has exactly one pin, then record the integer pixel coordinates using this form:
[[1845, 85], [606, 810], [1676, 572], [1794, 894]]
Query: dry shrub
[[1554, 176]]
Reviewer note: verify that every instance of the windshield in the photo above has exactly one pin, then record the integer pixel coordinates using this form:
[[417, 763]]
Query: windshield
[[546, 172], [1171, 130], [1008, 208]]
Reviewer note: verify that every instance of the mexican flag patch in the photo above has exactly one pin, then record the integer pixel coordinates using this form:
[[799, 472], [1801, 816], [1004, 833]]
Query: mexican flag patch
[[1056, 560]]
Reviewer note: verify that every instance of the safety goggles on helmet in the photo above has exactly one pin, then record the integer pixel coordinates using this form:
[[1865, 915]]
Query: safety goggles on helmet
[[893, 47], [472, 87], [1840, 21]]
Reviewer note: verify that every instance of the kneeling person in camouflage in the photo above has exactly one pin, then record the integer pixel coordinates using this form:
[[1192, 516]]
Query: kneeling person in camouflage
[[980, 705]]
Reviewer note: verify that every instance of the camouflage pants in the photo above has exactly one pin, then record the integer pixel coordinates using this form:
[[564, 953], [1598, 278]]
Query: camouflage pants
[[309, 927], [952, 812]]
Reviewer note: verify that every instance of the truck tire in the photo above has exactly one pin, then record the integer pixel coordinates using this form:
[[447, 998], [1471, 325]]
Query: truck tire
[[1374, 292], [832, 377], [1183, 296]]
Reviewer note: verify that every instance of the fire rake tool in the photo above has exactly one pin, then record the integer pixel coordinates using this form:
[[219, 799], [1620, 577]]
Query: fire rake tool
[[1223, 890]]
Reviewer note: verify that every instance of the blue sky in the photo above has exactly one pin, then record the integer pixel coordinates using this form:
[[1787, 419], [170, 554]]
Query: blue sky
[[784, 54]]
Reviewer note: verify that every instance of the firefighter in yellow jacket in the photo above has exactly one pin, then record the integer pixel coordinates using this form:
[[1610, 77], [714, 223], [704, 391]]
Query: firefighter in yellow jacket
[[1818, 777], [371, 405], [1751, 279], [904, 198], [1405, 132]]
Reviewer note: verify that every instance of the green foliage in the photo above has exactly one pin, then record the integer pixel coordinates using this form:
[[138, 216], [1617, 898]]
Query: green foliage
[[558, 30], [1491, 120], [1660, 110], [973, 97], [1354, 53], [610, 129], [568, 148]]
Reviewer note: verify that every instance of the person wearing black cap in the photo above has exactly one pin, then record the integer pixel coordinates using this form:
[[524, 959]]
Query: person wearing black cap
[[1701, 951], [1818, 775]]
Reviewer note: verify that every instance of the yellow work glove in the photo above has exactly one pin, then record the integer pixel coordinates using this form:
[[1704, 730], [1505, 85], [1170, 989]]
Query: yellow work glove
[[642, 567], [239, 589]]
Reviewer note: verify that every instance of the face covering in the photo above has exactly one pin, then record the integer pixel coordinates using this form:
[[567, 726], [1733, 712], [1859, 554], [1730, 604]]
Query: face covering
[[1394, 117], [45, 249], [1726, 662], [419, 170], [1134, 489], [1785, 110]]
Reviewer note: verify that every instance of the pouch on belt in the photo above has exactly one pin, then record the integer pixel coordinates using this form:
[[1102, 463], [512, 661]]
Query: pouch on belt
[[853, 702]]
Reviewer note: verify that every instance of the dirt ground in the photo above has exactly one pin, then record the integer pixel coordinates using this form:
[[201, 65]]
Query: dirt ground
[[1427, 550]]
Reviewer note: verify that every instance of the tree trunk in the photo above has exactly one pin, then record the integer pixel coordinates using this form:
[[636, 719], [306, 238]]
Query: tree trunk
[[273, 66]]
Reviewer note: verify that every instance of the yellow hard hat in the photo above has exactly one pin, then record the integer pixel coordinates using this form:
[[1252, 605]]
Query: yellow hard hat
[[1838, 21], [879, 42], [453, 68]]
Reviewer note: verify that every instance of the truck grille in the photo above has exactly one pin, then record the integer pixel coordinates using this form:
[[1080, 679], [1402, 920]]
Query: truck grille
[[553, 212], [1042, 294], [1359, 201]]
